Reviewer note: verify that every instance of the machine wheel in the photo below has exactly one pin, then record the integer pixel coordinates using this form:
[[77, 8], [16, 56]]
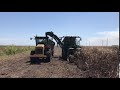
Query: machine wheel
[[34, 60], [48, 59], [49, 56], [70, 58], [52, 53], [32, 53], [64, 56]]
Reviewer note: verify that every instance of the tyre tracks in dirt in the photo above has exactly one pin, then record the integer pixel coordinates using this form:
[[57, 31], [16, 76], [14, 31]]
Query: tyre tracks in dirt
[[21, 68], [54, 69]]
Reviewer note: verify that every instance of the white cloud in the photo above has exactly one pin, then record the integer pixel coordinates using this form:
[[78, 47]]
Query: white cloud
[[113, 34], [102, 37]]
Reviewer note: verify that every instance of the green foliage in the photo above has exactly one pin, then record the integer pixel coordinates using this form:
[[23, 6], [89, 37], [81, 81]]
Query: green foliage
[[11, 50]]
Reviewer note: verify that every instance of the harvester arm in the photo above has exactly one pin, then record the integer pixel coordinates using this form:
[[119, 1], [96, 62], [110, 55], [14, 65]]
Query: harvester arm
[[55, 37]]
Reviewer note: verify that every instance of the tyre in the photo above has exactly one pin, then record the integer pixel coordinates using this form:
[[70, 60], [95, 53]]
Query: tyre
[[70, 58], [31, 58], [34, 60], [64, 56], [32, 53], [52, 53], [48, 59], [49, 55]]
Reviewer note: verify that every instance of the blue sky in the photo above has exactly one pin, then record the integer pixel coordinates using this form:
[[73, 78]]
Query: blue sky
[[17, 27]]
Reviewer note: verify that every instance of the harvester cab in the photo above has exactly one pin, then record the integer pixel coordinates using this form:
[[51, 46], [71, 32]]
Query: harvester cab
[[68, 43]]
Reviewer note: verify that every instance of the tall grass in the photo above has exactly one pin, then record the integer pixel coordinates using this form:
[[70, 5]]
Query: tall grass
[[11, 50]]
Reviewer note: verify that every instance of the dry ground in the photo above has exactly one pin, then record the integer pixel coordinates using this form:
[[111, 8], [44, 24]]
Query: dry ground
[[18, 66]]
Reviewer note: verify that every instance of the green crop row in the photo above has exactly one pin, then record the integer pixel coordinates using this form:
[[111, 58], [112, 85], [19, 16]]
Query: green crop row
[[11, 50]]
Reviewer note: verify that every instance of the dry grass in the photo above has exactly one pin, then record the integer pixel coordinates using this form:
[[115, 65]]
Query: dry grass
[[98, 62], [11, 50], [14, 57]]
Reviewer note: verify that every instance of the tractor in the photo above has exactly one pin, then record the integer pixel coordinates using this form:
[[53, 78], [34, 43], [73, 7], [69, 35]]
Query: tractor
[[44, 49]]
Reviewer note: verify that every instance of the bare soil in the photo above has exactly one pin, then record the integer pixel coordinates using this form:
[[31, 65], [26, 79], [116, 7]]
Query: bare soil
[[19, 67]]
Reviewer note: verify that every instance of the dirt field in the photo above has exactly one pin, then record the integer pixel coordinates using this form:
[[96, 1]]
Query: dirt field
[[20, 67]]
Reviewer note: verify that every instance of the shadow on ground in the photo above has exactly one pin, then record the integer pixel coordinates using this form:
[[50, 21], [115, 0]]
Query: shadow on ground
[[37, 61]]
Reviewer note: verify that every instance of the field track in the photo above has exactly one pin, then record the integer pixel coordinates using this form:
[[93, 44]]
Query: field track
[[21, 68]]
